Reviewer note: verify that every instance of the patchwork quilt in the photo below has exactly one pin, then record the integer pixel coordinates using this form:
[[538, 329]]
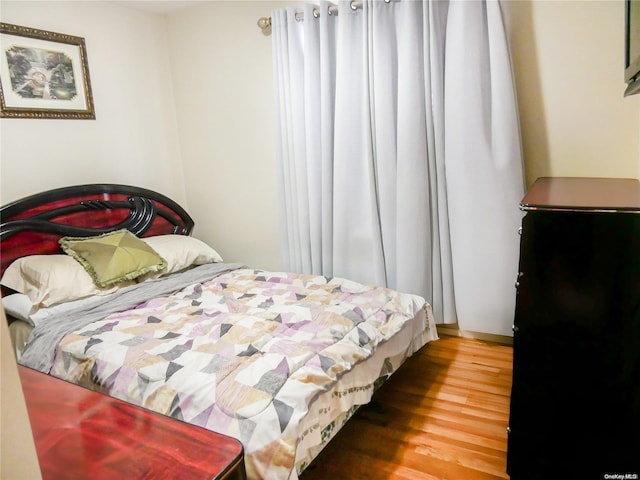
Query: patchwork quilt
[[245, 354]]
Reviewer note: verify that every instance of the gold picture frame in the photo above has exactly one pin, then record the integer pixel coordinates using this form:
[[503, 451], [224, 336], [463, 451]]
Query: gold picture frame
[[43, 75]]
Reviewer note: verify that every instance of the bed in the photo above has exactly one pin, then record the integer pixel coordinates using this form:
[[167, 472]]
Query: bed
[[105, 287]]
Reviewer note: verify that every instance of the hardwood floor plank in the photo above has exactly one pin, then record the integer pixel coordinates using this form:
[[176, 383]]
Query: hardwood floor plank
[[443, 415], [469, 458], [419, 417]]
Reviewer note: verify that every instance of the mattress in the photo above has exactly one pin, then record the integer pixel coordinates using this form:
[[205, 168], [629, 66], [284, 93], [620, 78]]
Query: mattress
[[19, 332]]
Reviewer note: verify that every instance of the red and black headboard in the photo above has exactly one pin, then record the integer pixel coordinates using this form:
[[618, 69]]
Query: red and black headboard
[[34, 224]]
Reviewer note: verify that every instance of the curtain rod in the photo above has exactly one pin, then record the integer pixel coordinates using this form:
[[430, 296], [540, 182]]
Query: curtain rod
[[265, 22]]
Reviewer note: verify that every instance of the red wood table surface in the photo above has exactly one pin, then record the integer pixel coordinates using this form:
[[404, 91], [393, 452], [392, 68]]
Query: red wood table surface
[[83, 434]]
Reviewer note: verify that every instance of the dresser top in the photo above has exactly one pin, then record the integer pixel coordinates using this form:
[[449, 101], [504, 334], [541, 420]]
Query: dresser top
[[583, 194]]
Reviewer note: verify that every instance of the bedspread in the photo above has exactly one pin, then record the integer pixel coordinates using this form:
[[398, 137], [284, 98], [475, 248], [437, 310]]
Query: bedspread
[[244, 354]]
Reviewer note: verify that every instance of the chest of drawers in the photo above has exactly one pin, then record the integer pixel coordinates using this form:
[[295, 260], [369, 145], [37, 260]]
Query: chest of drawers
[[575, 402]]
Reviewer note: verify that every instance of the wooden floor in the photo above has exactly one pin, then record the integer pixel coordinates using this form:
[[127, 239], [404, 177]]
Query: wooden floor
[[443, 415]]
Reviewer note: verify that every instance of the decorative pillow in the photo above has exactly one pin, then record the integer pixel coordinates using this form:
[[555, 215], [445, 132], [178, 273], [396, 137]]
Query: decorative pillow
[[113, 257], [51, 279], [180, 252]]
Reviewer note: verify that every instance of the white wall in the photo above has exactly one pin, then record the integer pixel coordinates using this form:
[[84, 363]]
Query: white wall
[[223, 79], [134, 138], [569, 63]]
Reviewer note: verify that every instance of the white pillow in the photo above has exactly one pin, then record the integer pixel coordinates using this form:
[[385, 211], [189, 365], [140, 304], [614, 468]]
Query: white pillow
[[180, 252], [18, 305], [51, 279]]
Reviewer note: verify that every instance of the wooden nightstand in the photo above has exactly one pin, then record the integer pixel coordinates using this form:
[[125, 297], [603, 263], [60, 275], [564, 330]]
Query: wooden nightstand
[[79, 434]]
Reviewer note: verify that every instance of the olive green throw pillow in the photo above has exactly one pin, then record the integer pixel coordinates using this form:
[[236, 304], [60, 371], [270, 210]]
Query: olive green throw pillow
[[113, 257]]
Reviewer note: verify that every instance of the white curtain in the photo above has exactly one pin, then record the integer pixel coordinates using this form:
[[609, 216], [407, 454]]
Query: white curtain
[[362, 134], [483, 166]]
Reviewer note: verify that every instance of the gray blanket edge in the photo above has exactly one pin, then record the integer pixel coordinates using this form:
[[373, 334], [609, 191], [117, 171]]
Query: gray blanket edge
[[42, 343]]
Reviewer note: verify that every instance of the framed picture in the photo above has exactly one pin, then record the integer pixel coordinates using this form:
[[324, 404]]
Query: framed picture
[[43, 75]]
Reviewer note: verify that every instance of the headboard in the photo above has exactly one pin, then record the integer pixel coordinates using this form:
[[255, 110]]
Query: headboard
[[34, 224]]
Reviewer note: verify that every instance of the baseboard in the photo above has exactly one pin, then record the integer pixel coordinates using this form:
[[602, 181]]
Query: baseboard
[[453, 331]]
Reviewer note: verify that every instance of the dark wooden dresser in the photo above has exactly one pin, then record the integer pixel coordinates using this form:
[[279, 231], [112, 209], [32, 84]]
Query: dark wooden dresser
[[575, 401], [81, 434]]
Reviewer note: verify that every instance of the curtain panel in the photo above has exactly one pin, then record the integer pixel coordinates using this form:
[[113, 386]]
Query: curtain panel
[[363, 143]]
